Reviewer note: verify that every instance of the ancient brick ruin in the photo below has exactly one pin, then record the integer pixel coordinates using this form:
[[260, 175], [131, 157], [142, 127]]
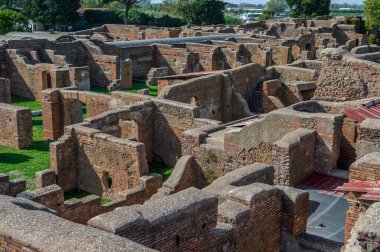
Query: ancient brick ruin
[[251, 119]]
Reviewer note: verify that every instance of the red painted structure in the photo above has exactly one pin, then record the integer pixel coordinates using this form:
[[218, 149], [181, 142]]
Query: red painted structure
[[370, 109], [369, 191]]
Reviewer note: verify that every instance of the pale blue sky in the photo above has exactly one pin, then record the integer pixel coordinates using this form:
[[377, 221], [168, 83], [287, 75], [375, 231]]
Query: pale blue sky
[[264, 1]]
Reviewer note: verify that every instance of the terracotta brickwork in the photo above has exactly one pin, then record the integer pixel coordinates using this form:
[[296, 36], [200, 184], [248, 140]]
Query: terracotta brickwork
[[16, 127], [82, 210], [5, 91]]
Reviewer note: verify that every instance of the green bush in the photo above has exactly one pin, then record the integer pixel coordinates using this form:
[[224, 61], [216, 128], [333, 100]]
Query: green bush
[[373, 40], [264, 16], [12, 21], [232, 20], [138, 17]]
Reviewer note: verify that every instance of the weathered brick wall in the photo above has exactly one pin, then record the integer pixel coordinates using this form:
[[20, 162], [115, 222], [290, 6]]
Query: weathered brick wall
[[16, 126], [295, 210], [207, 55], [5, 91], [366, 169], [368, 137], [96, 157], [11, 187], [344, 77], [186, 174], [213, 94], [204, 92], [178, 59], [293, 157], [82, 210], [254, 143], [366, 233], [28, 226], [180, 222]]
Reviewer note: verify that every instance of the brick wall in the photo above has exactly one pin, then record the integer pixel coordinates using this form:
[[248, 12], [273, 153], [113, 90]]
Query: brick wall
[[11, 187], [344, 77], [5, 91], [82, 210], [293, 157], [368, 137], [16, 126], [28, 226], [366, 169], [180, 222]]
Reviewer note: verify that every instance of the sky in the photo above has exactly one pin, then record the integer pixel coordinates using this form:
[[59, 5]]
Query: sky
[[264, 1]]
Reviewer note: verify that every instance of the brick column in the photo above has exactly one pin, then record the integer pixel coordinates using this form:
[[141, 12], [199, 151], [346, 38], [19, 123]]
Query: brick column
[[52, 114]]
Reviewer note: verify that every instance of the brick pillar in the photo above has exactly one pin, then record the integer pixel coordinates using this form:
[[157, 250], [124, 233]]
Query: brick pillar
[[52, 114], [126, 74], [5, 91]]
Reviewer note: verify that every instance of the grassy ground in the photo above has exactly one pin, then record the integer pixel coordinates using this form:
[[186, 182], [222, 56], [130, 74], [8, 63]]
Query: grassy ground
[[137, 85], [78, 194], [345, 13], [25, 163], [160, 168]]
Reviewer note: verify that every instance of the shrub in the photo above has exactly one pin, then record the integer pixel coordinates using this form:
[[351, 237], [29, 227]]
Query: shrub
[[373, 39], [12, 21], [232, 20]]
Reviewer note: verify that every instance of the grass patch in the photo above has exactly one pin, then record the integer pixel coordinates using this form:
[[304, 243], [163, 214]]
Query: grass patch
[[23, 102], [160, 168], [100, 90], [25, 163], [79, 194]]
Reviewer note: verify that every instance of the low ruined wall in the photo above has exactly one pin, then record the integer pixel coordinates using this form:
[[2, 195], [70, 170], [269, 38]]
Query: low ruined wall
[[11, 187], [27, 226], [254, 143], [16, 126], [366, 233], [345, 77], [95, 157], [368, 137], [186, 174], [365, 169], [293, 157], [82, 210], [5, 91], [213, 94], [163, 224]]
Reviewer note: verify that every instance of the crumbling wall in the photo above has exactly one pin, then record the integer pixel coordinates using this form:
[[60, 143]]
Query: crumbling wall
[[346, 77], [186, 174], [365, 169], [28, 226], [82, 210], [263, 133], [293, 157], [11, 187], [5, 91], [366, 233], [16, 126], [180, 222], [368, 137]]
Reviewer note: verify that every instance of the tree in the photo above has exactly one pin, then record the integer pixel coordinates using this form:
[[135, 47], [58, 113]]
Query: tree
[[12, 21], [309, 8], [276, 7], [372, 14], [199, 12], [51, 11], [128, 4]]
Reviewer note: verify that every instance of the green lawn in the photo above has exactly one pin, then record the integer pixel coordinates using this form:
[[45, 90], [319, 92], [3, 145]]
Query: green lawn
[[79, 194], [137, 85], [25, 163], [160, 168]]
